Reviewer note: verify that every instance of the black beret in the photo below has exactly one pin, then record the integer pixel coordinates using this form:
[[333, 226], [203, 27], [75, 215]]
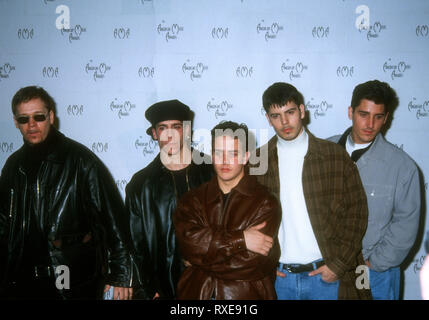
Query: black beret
[[167, 110]]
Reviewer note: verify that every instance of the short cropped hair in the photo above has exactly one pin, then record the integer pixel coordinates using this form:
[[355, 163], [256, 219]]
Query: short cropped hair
[[279, 94], [32, 92], [377, 92], [232, 129]]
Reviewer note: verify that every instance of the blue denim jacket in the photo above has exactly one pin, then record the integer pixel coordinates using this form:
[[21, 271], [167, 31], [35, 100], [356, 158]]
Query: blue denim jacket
[[391, 181]]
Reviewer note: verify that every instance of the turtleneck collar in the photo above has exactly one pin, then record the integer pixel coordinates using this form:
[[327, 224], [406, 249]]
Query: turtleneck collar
[[301, 141]]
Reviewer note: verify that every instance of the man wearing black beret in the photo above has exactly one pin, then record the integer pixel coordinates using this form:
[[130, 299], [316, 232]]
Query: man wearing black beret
[[152, 195]]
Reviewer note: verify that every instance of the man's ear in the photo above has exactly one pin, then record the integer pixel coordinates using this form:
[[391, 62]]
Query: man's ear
[[302, 111], [350, 113], [246, 157], [51, 117], [154, 136], [16, 122]]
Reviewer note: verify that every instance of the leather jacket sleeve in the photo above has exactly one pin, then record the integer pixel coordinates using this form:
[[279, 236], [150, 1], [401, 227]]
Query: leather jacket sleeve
[[107, 208], [145, 282], [210, 247]]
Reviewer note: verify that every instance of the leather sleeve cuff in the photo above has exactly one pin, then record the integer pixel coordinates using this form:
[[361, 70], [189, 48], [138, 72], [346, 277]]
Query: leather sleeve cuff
[[237, 242]]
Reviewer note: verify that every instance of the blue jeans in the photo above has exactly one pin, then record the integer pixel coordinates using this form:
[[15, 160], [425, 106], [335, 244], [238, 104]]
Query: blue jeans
[[300, 286], [385, 285]]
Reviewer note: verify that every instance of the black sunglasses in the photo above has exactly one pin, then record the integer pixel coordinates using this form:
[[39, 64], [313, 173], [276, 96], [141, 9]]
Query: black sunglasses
[[37, 117]]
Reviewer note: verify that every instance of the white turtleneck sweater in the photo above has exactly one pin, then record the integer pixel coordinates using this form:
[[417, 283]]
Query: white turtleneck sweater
[[297, 241]]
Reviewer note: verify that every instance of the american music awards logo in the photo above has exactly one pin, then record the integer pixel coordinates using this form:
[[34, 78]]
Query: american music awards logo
[[319, 109], [170, 32], [6, 147], [397, 70], [195, 71], [98, 71], [374, 30], [420, 108], [122, 109], [25, 33], [320, 32], [147, 146], [345, 71], [5, 70], [100, 147], [121, 184], [244, 72], [146, 72], [73, 33], [294, 70], [219, 109], [121, 33], [50, 72], [422, 30], [220, 33], [270, 31], [75, 110]]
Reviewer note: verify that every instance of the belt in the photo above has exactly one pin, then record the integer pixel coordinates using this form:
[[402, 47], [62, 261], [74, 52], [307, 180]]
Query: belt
[[297, 268]]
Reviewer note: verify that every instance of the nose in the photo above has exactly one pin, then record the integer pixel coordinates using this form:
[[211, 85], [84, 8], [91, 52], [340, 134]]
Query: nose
[[370, 122], [31, 122], [283, 118]]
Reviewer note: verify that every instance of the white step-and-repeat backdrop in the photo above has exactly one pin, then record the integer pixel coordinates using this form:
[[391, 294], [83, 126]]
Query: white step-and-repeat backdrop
[[106, 61]]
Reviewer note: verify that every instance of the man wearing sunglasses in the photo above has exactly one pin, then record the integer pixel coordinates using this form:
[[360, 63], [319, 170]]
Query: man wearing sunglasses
[[63, 228]]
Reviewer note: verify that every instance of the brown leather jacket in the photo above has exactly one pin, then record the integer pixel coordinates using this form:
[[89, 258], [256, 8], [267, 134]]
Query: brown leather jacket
[[210, 237]]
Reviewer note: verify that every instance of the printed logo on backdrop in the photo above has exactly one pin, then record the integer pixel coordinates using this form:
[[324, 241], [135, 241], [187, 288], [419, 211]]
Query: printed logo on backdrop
[[396, 70], [50, 72], [46, 1], [418, 263], [244, 71], [421, 108], [293, 70], [6, 147], [100, 147], [399, 146], [145, 1], [25, 33], [198, 146], [220, 33], [122, 109], [98, 71], [422, 30], [147, 145], [146, 72], [372, 31], [121, 33], [345, 71], [5, 70], [319, 109], [121, 184], [219, 109], [75, 110], [73, 33], [169, 31], [270, 31], [320, 32], [195, 71]]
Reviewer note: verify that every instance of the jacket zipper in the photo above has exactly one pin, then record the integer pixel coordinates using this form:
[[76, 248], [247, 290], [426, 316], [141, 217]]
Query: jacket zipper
[[11, 203]]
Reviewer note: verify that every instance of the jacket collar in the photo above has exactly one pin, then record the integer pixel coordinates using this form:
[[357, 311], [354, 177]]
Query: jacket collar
[[246, 186]]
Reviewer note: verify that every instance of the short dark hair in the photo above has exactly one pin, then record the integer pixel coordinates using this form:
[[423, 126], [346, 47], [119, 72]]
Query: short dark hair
[[279, 94], [233, 129], [377, 92], [32, 92]]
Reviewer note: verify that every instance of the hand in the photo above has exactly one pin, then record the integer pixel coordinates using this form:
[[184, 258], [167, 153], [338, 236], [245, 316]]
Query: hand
[[187, 263], [327, 274], [156, 296], [368, 264], [281, 274], [256, 241], [120, 293]]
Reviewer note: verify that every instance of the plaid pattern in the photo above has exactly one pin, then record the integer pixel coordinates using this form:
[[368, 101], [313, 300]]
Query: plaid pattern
[[336, 204]]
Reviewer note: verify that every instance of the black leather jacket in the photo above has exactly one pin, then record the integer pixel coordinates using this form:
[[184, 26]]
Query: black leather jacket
[[151, 201], [81, 214]]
